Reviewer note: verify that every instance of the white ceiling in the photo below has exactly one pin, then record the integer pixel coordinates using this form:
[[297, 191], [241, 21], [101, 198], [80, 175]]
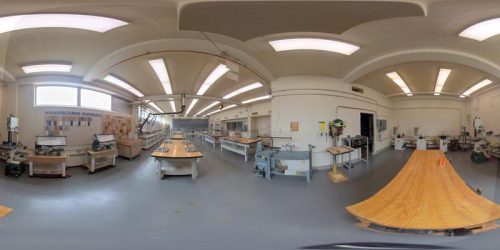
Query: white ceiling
[[413, 37]]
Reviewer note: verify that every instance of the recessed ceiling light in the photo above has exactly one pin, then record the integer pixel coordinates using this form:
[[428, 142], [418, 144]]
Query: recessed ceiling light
[[214, 76], [85, 22], [158, 109], [243, 90], [462, 96], [394, 76], [441, 80], [482, 30], [313, 44], [123, 84], [256, 99], [49, 67], [477, 86], [191, 105], [208, 107], [160, 69]]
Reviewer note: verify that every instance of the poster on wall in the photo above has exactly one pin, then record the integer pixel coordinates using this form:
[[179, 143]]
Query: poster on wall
[[60, 122], [119, 126]]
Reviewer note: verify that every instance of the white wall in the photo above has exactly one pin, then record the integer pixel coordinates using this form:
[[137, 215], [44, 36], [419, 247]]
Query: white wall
[[243, 113], [486, 105], [311, 99], [434, 115]]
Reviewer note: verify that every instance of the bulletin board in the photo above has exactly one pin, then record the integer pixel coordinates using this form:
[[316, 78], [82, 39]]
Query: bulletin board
[[119, 126]]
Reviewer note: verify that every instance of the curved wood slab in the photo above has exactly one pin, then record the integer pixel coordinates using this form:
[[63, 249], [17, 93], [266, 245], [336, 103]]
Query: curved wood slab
[[4, 211], [427, 195]]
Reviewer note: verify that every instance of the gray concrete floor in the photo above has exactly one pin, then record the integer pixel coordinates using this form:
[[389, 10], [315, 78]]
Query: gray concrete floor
[[227, 207]]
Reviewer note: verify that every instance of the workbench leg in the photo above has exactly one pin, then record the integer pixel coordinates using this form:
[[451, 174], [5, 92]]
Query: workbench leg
[[246, 155], [308, 176], [31, 168], [194, 174], [114, 160], [221, 147], [63, 169], [268, 171], [92, 165], [158, 170], [350, 163]]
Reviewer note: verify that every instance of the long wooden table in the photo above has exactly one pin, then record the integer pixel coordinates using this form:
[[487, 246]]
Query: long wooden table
[[240, 146], [427, 194], [213, 139], [53, 165], [176, 161]]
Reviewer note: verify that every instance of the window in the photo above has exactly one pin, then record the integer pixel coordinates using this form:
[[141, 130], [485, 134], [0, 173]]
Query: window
[[94, 99], [56, 96]]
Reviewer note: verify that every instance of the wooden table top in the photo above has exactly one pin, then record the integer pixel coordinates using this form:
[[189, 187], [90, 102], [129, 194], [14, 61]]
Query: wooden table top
[[339, 150], [176, 150], [177, 137], [130, 142], [242, 140], [427, 196]]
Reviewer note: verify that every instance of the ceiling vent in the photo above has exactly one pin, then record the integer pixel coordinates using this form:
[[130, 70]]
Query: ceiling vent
[[357, 89]]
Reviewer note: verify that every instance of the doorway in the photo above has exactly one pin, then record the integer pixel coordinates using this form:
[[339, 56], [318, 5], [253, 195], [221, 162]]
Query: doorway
[[367, 129]]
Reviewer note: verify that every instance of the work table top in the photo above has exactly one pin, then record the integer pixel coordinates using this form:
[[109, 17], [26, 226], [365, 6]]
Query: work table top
[[176, 150], [241, 140]]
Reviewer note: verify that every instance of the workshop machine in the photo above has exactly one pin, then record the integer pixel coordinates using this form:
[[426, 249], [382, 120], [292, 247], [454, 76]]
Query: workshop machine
[[443, 143], [286, 161], [50, 145], [481, 152], [421, 143], [399, 143], [103, 142]]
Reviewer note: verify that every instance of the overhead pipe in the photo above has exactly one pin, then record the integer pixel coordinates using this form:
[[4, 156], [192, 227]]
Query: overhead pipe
[[183, 107]]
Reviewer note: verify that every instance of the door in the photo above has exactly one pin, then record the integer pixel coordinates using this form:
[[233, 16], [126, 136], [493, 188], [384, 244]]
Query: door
[[367, 129]]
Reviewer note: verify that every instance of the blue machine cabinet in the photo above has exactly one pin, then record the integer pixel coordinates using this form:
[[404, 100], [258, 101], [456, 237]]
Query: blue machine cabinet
[[270, 162]]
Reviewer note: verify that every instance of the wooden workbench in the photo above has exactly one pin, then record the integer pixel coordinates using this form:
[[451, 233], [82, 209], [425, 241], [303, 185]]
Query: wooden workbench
[[427, 195], [213, 139], [240, 146], [50, 165], [130, 148], [176, 161], [100, 160], [341, 151]]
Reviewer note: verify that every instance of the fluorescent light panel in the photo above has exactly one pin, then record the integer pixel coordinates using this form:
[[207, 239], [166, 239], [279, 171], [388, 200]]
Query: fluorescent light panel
[[158, 109], [84, 22], [122, 84], [160, 69], [49, 67], [172, 104], [314, 44], [477, 86], [441, 80], [256, 99], [399, 81], [482, 30], [219, 110], [191, 105], [208, 107], [214, 76], [243, 90]]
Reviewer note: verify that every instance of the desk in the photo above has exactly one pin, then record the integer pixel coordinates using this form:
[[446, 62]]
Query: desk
[[176, 161], [130, 148], [51, 165], [341, 150], [238, 145], [213, 139], [100, 160]]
